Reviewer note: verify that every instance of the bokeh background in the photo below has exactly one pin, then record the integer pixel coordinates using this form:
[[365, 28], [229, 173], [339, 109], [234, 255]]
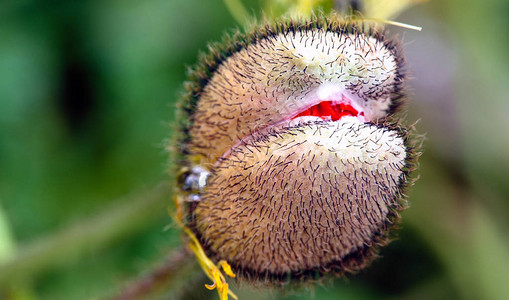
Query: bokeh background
[[87, 97]]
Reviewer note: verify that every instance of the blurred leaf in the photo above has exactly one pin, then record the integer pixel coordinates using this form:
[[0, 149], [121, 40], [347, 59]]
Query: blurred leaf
[[386, 9], [297, 8], [6, 241]]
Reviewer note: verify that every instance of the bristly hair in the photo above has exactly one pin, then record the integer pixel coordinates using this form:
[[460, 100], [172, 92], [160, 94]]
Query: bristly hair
[[363, 256], [218, 52], [208, 64]]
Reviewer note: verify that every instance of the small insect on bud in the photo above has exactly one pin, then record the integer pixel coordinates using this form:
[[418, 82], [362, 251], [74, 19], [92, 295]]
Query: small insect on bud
[[294, 169]]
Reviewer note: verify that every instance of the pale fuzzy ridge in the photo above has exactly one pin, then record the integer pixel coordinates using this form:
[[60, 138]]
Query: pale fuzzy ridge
[[269, 80], [302, 198]]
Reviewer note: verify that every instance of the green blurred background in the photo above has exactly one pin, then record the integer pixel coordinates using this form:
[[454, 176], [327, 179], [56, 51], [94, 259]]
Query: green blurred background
[[87, 97]]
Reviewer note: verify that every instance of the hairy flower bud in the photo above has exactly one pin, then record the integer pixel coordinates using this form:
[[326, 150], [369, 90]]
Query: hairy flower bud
[[304, 172]]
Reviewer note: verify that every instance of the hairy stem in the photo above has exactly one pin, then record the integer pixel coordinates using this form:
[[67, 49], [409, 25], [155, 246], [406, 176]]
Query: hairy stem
[[179, 264], [126, 216], [237, 10]]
